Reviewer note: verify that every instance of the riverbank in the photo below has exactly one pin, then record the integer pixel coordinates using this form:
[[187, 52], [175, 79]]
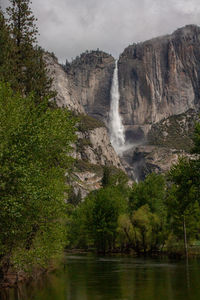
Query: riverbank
[[114, 277], [13, 279], [177, 252]]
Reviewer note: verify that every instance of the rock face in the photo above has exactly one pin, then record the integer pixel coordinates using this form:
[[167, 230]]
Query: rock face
[[175, 132], [91, 77], [159, 82], [99, 151], [159, 78], [84, 88], [92, 152], [146, 159], [165, 142], [62, 85]]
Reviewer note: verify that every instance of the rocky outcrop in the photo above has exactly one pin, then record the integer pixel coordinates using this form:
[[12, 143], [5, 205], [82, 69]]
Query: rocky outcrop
[[159, 78], [175, 132], [84, 88], [96, 148], [146, 159], [166, 141], [91, 77], [62, 85], [92, 152]]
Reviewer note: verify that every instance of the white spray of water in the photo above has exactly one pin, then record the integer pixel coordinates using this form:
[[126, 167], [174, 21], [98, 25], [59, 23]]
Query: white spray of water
[[117, 135]]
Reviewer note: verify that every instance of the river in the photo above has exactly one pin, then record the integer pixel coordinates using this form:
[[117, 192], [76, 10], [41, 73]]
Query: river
[[87, 277]]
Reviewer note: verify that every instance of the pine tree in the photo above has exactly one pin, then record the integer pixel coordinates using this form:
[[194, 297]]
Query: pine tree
[[30, 67], [6, 53]]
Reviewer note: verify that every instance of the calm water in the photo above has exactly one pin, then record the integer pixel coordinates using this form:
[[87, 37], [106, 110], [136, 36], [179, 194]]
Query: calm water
[[112, 278]]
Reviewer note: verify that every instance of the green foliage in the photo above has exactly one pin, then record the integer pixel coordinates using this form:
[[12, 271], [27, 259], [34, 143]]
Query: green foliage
[[183, 187], [97, 218], [105, 221], [36, 76], [22, 23], [148, 230], [106, 176], [82, 143], [77, 234], [160, 214], [6, 53], [182, 200], [21, 60], [143, 231], [87, 123], [34, 142], [144, 228], [113, 176], [94, 223], [73, 197], [151, 191], [125, 232], [172, 133], [196, 139], [85, 166], [102, 210]]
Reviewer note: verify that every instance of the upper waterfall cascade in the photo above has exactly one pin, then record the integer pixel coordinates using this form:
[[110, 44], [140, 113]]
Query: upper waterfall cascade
[[117, 132]]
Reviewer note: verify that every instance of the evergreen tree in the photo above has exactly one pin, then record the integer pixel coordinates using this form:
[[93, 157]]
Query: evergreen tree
[[114, 177], [30, 67], [106, 176], [6, 53], [74, 198]]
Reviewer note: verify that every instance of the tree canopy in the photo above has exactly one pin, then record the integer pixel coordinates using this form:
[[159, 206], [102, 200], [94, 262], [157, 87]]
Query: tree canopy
[[34, 146], [22, 61]]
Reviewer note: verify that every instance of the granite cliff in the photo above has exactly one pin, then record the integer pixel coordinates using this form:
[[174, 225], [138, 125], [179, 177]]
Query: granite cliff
[[84, 88], [159, 82], [92, 152], [160, 98], [159, 78], [91, 76]]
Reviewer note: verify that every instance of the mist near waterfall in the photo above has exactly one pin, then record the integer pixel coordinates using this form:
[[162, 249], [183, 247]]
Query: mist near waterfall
[[117, 132], [116, 127]]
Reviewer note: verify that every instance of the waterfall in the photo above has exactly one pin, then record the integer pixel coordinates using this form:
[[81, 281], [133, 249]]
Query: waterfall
[[117, 135]]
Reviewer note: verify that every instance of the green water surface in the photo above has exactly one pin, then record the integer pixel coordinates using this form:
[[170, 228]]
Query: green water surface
[[84, 277]]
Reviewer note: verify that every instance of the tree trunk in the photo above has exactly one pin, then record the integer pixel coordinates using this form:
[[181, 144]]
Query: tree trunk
[[185, 237]]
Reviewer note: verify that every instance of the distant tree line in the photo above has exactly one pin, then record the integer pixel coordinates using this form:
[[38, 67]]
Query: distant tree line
[[162, 213]]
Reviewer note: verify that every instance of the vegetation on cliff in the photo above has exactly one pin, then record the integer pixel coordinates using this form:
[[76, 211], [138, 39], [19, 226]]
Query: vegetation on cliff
[[174, 132]]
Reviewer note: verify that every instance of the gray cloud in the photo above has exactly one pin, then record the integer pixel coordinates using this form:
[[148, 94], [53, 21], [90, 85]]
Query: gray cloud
[[69, 27]]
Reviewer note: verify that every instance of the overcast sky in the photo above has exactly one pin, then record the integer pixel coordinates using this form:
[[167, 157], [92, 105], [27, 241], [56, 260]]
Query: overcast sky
[[69, 27]]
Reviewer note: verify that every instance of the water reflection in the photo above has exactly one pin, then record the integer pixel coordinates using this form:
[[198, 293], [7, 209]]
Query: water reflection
[[123, 278]]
